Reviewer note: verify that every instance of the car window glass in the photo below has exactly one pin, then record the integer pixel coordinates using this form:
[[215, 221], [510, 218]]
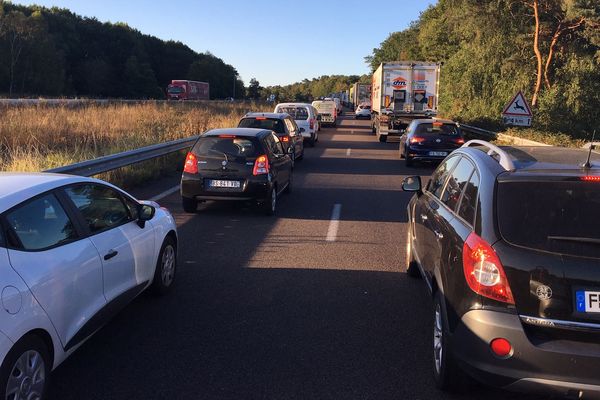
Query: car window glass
[[468, 203], [225, 145], [277, 147], [101, 207], [290, 126], [298, 113], [456, 183], [436, 183], [132, 206], [41, 223], [437, 128], [275, 125]]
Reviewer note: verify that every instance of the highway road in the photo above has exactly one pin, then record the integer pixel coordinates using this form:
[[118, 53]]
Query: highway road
[[296, 306]]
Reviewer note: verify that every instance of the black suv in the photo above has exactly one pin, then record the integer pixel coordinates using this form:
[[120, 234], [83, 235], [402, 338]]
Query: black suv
[[239, 164], [284, 127], [507, 240]]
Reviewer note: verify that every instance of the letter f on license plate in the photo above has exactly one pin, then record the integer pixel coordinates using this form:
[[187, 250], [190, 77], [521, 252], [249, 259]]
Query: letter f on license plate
[[587, 301]]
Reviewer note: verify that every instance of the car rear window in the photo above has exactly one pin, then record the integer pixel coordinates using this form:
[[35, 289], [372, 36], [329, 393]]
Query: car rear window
[[437, 129], [275, 125], [559, 217], [297, 113], [234, 146]]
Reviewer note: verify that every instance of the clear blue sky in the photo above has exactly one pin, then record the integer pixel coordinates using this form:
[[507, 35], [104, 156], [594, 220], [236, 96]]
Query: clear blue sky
[[276, 42]]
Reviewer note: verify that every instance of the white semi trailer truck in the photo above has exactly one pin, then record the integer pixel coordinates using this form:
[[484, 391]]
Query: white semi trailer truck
[[403, 91]]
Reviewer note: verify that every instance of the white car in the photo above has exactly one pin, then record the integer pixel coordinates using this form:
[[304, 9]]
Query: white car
[[305, 116], [363, 111], [73, 252]]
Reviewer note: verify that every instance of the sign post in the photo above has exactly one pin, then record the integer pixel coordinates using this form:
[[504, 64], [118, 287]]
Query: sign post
[[517, 111]]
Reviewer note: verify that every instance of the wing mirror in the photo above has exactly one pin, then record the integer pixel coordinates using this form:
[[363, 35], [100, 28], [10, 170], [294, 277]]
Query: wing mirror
[[290, 150], [412, 184], [145, 213]]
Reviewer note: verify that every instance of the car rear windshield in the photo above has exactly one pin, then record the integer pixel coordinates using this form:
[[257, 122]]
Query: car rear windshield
[[275, 125], [175, 89], [559, 217], [234, 146], [298, 113], [366, 107], [437, 129]]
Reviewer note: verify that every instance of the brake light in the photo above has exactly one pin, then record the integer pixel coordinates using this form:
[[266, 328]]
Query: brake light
[[261, 118], [227, 136], [312, 123], [191, 164], [261, 165], [285, 138], [483, 270], [459, 141], [417, 139], [590, 178]]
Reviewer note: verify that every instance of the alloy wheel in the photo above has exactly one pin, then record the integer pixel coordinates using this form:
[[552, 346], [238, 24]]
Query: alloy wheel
[[168, 265], [438, 336], [27, 378]]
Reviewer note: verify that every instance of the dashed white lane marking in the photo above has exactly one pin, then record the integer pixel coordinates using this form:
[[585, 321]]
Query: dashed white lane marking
[[348, 152], [334, 223], [164, 194]]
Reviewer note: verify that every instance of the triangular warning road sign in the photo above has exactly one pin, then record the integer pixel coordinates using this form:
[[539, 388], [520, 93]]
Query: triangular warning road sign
[[517, 107]]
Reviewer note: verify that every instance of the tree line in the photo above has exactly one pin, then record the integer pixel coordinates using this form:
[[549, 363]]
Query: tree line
[[310, 89], [54, 52], [490, 49]]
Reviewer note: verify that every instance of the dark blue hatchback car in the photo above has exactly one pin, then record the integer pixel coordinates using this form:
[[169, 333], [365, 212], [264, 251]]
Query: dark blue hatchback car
[[430, 140]]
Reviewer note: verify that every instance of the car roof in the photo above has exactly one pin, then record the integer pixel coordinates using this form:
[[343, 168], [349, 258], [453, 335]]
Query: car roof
[[20, 186], [544, 158], [267, 115], [293, 105], [432, 120], [247, 132]]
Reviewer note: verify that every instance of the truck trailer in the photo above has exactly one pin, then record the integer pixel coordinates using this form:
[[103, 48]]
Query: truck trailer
[[187, 90], [400, 92], [360, 93]]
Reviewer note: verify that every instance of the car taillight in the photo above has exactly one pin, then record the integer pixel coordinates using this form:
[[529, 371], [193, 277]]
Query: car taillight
[[191, 164], [483, 270], [285, 138], [312, 123], [590, 178], [417, 139], [261, 165], [459, 141]]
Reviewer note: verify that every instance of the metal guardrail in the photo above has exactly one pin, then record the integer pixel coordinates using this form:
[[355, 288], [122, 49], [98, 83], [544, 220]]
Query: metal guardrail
[[114, 161], [479, 131], [502, 136]]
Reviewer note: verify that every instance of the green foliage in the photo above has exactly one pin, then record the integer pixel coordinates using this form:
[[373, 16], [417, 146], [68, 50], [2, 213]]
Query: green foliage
[[53, 52], [254, 89], [486, 47], [308, 90]]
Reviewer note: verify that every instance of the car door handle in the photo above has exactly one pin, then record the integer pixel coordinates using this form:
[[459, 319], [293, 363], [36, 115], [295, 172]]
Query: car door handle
[[110, 255], [439, 235], [423, 217]]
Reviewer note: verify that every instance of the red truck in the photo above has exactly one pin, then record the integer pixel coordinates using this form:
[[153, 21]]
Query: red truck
[[187, 90]]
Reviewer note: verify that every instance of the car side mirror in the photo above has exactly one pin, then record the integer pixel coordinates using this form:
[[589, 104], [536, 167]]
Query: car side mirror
[[290, 150], [302, 130], [412, 184], [145, 213]]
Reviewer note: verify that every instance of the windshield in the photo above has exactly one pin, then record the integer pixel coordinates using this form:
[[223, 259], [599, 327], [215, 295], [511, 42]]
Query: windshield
[[175, 89], [557, 216], [219, 147], [298, 113], [275, 125], [437, 129]]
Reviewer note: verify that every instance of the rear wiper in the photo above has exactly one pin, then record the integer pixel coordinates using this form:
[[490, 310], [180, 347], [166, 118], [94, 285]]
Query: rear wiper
[[575, 239], [220, 152]]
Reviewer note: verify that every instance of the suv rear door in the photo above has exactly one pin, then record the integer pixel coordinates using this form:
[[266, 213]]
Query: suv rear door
[[226, 156], [550, 247]]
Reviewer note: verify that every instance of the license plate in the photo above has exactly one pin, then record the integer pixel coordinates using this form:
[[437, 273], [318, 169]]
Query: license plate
[[587, 301], [438, 153], [224, 184]]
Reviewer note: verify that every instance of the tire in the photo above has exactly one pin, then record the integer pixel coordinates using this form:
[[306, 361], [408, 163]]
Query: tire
[[373, 129], [446, 373], [270, 204], [412, 269], [383, 138], [31, 350], [293, 157], [311, 141], [409, 160], [166, 267], [400, 151], [189, 205]]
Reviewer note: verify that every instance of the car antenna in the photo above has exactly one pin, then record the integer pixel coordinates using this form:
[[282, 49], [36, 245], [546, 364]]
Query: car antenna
[[587, 164]]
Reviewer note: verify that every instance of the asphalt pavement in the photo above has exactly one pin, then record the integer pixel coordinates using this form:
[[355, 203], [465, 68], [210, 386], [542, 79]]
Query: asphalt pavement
[[312, 303]]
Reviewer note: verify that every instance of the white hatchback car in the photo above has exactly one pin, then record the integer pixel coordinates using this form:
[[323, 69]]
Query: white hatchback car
[[305, 116], [73, 252], [363, 111]]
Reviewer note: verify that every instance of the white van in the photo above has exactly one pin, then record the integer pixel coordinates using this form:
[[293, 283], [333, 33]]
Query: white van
[[305, 116], [338, 104], [327, 110]]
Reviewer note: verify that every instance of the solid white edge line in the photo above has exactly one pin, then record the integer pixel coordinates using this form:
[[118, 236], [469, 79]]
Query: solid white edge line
[[164, 194], [334, 224]]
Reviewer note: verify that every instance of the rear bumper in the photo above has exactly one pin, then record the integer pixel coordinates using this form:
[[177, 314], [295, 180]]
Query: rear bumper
[[425, 154], [562, 368], [257, 188]]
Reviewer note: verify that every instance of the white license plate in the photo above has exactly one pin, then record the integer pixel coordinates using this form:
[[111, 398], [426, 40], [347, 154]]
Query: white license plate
[[587, 301], [438, 153], [224, 184]]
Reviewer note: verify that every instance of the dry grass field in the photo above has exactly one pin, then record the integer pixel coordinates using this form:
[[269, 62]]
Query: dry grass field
[[40, 137]]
